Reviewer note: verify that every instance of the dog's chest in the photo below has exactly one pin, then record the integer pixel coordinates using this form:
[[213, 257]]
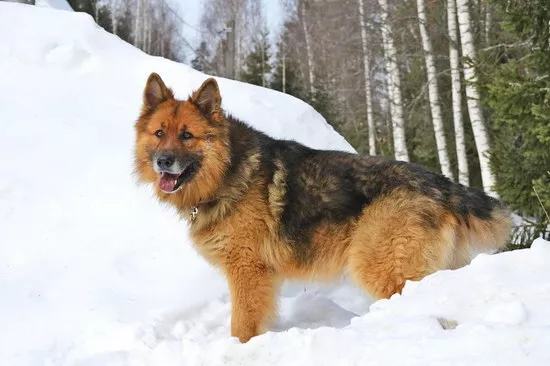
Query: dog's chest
[[212, 244]]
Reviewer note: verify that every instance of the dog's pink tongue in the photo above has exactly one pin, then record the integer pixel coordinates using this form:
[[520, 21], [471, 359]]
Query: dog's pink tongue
[[167, 182]]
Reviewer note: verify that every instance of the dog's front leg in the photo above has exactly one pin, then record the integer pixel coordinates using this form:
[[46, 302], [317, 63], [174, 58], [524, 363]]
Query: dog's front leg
[[252, 287]]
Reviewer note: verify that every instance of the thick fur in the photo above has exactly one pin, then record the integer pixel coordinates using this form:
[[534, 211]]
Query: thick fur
[[269, 210]]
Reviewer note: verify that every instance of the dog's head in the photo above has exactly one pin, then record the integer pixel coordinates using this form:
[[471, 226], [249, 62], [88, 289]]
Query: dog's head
[[181, 146]]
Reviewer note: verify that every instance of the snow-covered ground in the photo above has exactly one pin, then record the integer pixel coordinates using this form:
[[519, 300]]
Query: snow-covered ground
[[94, 272]]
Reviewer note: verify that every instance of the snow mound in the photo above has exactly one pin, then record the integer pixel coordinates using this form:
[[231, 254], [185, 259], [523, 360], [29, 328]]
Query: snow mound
[[94, 272]]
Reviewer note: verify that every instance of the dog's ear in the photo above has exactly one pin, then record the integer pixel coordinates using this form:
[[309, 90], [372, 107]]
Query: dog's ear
[[209, 100], [155, 93]]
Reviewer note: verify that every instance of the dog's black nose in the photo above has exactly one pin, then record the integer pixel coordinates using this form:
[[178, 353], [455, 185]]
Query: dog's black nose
[[165, 161]]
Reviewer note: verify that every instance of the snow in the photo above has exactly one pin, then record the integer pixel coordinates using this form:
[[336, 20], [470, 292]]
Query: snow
[[93, 271]]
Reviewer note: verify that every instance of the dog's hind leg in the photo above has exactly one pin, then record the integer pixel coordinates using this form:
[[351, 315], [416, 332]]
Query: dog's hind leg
[[399, 239]]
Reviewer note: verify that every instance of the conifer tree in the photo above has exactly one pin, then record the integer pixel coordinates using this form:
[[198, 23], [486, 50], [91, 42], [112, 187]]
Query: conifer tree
[[293, 82], [519, 94], [201, 61], [256, 66]]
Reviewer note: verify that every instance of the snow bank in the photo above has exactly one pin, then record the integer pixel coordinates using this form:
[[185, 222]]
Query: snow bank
[[94, 272]]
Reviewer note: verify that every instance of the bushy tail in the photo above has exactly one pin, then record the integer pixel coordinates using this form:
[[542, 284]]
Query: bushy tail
[[488, 235]]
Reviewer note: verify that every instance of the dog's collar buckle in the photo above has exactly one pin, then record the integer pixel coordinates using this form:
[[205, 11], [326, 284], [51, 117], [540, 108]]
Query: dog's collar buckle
[[194, 212]]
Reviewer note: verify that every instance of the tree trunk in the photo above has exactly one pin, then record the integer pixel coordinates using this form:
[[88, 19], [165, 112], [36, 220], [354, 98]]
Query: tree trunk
[[283, 60], [137, 24], [114, 14], [149, 28], [463, 173], [368, 87], [310, 66], [394, 86], [237, 47], [146, 21], [96, 12], [488, 21], [263, 61], [433, 93], [472, 94]]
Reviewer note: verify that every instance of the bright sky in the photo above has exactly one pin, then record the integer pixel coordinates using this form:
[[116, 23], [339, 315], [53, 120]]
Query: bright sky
[[191, 11]]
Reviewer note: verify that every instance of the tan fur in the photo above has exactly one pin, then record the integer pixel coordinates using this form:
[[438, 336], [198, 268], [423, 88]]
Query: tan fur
[[393, 244]]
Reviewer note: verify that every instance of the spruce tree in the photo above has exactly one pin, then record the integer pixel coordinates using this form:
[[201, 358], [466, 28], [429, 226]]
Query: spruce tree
[[201, 61], [292, 78], [519, 94], [256, 67]]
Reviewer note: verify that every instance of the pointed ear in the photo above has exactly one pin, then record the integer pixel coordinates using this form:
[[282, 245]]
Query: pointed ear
[[155, 93], [208, 99]]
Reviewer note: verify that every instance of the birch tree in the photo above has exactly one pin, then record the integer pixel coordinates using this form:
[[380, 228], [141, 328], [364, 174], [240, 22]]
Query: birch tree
[[394, 86], [283, 63], [488, 23], [146, 31], [137, 24], [433, 93], [456, 89], [472, 94], [115, 7], [310, 66], [368, 87]]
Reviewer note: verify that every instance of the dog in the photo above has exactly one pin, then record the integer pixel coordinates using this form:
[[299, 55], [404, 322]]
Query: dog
[[264, 210]]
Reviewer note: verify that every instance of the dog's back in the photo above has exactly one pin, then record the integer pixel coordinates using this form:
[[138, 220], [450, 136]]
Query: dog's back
[[385, 221]]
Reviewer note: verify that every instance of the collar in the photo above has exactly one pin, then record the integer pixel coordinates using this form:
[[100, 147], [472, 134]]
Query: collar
[[195, 209]]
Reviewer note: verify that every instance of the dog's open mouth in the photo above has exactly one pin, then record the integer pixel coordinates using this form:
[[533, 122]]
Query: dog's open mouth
[[170, 183]]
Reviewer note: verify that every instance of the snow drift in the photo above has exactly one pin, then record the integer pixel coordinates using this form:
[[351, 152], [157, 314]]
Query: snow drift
[[94, 272]]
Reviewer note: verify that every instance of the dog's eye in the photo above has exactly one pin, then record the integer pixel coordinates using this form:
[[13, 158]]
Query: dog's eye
[[186, 135], [159, 133]]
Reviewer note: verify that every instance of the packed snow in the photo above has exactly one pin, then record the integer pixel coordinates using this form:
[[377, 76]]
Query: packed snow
[[93, 271]]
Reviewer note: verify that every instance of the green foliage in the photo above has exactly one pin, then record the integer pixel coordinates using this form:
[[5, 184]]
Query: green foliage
[[529, 20], [124, 29], [257, 67], [201, 61], [86, 6], [324, 103], [293, 79], [524, 235], [519, 94], [104, 18]]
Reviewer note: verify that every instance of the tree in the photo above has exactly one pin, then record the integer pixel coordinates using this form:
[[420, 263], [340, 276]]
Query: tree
[[472, 94], [394, 85], [201, 62], [138, 24], [286, 74], [154, 26], [309, 52], [256, 67], [367, 79], [433, 93], [230, 27], [86, 6], [456, 89], [519, 95]]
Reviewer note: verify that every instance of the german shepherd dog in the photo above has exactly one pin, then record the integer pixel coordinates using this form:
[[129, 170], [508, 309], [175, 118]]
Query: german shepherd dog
[[264, 210]]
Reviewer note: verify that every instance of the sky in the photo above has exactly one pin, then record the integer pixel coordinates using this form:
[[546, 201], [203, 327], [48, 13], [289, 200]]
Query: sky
[[191, 10]]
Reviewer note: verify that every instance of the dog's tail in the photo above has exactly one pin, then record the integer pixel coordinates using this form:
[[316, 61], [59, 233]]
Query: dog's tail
[[487, 234]]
